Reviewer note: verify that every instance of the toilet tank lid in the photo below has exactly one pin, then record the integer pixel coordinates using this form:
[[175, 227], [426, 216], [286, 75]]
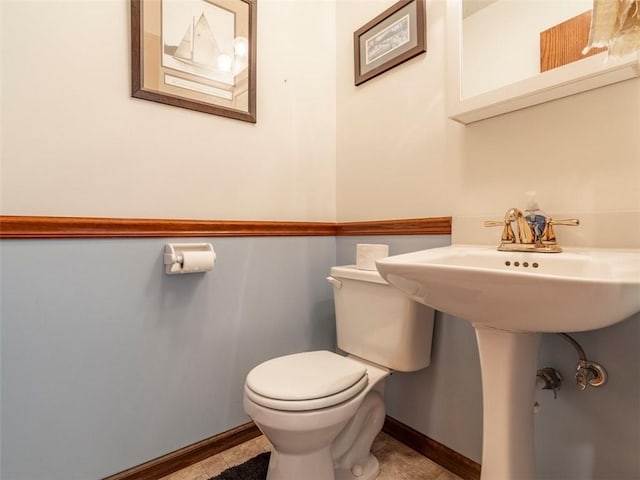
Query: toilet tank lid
[[305, 376], [353, 273]]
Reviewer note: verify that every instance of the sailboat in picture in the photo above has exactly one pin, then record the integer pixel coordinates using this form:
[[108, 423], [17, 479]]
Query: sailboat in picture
[[200, 54], [198, 46]]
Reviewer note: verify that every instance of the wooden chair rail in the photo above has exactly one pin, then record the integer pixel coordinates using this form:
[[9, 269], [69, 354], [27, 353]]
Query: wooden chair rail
[[88, 227]]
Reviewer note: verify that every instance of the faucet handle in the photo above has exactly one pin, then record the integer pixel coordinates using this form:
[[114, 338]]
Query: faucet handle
[[570, 222], [549, 236], [507, 234]]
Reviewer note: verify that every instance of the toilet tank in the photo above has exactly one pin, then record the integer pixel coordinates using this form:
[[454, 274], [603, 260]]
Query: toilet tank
[[377, 322]]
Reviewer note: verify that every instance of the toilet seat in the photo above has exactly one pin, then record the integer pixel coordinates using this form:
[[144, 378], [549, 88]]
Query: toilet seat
[[306, 381]]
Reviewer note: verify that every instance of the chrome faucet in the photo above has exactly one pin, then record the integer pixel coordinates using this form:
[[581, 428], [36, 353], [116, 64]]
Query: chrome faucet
[[535, 232]]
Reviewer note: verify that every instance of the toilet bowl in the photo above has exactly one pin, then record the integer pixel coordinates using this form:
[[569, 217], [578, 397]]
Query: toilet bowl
[[321, 411]]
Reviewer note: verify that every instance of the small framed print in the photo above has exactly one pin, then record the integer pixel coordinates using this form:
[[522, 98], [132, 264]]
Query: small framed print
[[393, 37]]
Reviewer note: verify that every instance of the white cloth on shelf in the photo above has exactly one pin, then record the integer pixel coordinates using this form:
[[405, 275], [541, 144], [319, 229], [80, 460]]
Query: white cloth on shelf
[[615, 24]]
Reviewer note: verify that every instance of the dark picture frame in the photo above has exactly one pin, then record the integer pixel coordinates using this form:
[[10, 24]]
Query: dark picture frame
[[196, 54], [393, 37]]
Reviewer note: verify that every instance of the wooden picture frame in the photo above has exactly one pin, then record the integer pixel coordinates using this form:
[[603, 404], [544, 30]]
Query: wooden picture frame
[[196, 54], [393, 37]]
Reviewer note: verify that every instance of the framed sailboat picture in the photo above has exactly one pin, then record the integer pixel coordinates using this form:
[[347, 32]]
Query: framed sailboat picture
[[196, 54]]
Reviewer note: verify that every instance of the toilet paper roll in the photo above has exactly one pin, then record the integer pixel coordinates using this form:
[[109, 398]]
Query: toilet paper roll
[[368, 253], [197, 261]]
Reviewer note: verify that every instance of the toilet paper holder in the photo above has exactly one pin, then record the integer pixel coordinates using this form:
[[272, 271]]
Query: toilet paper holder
[[202, 257]]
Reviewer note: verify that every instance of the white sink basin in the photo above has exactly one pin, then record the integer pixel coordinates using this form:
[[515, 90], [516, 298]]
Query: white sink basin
[[523, 292], [511, 298]]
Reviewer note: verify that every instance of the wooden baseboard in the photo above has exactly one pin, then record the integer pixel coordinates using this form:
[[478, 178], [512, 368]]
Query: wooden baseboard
[[174, 461], [453, 461], [456, 463]]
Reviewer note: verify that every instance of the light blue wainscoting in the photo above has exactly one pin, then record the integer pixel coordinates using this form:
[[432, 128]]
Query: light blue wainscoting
[[106, 362], [595, 433]]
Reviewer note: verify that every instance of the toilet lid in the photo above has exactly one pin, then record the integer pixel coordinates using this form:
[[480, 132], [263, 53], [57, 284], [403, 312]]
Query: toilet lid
[[306, 376]]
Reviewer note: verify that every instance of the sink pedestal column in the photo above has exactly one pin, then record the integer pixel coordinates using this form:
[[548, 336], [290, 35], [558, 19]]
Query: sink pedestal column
[[508, 362]]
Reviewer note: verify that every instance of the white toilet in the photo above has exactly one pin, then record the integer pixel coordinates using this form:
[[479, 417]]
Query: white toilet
[[321, 411]]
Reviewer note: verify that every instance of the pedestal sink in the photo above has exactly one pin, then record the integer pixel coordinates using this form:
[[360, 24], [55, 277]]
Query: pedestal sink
[[511, 298]]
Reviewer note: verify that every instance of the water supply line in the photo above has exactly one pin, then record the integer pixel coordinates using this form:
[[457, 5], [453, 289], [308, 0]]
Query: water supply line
[[587, 371]]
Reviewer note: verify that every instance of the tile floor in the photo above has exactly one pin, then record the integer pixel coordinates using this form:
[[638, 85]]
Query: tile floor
[[397, 461]]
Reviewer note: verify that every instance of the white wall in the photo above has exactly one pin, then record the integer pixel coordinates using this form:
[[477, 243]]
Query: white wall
[[392, 146], [74, 143], [399, 156]]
